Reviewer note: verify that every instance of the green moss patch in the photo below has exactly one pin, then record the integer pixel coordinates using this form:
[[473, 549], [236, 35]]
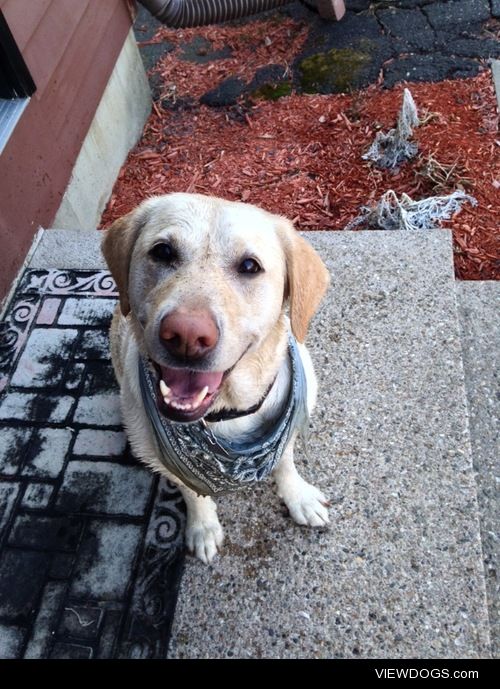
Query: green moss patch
[[334, 71], [273, 91]]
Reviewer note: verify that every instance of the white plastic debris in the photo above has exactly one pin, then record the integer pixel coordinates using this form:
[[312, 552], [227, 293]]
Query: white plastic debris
[[394, 147], [392, 213]]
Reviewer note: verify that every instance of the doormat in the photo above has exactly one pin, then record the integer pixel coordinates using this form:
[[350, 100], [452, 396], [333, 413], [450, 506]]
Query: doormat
[[91, 543]]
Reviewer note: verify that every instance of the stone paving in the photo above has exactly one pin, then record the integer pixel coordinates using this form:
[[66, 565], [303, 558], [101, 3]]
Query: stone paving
[[414, 40], [90, 542], [479, 306], [376, 41]]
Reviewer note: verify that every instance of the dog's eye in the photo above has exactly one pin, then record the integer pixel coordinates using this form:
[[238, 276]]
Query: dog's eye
[[249, 266], [163, 252]]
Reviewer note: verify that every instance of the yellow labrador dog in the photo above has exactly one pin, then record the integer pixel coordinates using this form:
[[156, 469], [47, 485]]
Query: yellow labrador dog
[[215, 380]]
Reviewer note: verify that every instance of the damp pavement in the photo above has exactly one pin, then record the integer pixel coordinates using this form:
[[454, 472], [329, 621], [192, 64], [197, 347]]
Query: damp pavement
[[90, 542], [92, 561]]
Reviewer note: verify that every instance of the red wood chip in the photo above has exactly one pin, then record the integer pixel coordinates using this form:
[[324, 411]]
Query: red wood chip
[[300, 156]]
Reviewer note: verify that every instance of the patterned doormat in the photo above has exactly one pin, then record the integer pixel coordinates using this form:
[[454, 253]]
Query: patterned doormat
[[91, 544]]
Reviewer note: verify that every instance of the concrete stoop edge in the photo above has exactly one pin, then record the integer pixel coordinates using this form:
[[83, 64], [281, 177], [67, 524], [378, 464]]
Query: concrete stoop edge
[[273, 582]]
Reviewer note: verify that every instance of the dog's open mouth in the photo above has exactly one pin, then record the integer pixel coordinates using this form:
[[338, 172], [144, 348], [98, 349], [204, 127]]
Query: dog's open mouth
[[185, 395]]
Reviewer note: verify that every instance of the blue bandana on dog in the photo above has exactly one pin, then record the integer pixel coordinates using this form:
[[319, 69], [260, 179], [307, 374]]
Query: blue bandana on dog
[[211, 465]]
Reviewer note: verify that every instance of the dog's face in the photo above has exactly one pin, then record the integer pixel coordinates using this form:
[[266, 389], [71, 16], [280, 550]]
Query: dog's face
[[207, 280]]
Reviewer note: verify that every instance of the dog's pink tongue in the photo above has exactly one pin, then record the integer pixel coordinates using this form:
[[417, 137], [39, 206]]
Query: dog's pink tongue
[[186, 384]]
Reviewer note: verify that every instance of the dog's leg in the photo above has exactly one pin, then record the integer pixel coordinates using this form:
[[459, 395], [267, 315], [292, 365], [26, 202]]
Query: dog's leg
[[306, 504], [204, 533]]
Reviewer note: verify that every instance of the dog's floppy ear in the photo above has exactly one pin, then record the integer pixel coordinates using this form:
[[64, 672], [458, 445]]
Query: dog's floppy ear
[[117, 247], [307, 278]]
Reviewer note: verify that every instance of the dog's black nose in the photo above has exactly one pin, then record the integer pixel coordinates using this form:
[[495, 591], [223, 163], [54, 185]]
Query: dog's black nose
[[189, 334]]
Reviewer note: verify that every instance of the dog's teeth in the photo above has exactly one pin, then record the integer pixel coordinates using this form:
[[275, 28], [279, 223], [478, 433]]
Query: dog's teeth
[[165, 390], [200, 397], [188, 406], [181, 407]]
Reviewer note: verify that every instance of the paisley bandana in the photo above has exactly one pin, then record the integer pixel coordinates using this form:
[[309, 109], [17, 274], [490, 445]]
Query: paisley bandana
[[210, 464]]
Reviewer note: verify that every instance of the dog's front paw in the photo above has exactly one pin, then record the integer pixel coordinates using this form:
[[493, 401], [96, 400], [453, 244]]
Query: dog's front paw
[[203, 538], [307, 505]]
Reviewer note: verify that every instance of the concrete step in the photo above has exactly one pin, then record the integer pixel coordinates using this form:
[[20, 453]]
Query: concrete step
[[478, 307], [399, 572]]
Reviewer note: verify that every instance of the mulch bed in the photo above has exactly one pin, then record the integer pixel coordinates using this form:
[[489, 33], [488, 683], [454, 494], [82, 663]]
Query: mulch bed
[[300, 156]]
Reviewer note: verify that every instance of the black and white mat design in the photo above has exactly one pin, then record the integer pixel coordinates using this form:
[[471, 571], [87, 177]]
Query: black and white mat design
[[91, 543]]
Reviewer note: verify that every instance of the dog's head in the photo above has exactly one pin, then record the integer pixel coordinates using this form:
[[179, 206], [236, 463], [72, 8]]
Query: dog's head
[[207, 280]]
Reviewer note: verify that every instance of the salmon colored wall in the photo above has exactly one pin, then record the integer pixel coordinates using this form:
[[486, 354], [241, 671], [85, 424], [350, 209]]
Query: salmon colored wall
[[70, 49]]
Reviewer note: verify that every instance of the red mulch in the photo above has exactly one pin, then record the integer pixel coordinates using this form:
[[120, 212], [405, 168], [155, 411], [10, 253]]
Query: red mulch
[[300, 156], [253, 45]]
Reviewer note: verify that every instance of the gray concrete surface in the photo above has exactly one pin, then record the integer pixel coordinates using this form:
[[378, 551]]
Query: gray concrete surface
[[479, 309], [115, 129], [399, 571], [68, 249], [495, 68]]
